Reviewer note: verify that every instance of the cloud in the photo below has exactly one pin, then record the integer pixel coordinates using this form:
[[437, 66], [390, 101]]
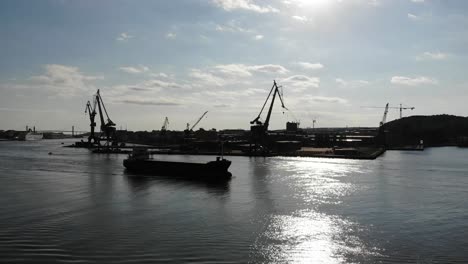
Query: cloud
[[124, 36], [64, 80], [433, 56], [206, 77], [232, 26], [134, 70], [352, 83], [237, 70], [221, 105], [322, 99], [310, 66], [230, 5], [149, 88], [222, 74], [149, 102], [408, 81], [268, 68], [258, 37], [160, 74], [300, 18], [417, 1], [301, 82], [171, 35], [155, 83], [414, 17]]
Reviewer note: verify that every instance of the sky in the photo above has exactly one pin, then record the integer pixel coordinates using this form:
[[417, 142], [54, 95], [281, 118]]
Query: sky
[[334, 59]]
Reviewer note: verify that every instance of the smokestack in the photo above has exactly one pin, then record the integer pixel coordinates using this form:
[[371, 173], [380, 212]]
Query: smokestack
[[34, 129]]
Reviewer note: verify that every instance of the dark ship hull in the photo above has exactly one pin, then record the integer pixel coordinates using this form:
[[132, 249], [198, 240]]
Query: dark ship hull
[[213, 170]]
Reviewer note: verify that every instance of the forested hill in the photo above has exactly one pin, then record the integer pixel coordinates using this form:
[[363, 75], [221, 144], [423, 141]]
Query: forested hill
[[436, 130]]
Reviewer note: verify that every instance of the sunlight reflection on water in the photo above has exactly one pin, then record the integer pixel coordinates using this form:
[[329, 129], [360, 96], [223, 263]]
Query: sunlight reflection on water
[[320, 181], [311, 237], [307, 235]]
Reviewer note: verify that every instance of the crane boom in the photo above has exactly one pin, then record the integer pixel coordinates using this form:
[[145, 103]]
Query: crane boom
[[274, 90], [384, 118], [198, 121]]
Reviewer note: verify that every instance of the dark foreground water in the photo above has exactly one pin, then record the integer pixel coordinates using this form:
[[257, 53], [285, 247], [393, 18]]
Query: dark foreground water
[[76, 207]]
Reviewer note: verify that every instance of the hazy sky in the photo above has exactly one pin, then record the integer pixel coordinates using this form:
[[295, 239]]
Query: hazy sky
[[153, 59]]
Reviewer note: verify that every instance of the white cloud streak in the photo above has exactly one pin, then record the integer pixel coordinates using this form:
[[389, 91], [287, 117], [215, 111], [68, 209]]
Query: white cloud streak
[[300, 18], [134, 70], [230, 5], [63, 80], [351, 83], [300, 83], [416, 81], [171, 35], [433, 56], [414, 17], [124, 37], [310, 66], [323, 99]]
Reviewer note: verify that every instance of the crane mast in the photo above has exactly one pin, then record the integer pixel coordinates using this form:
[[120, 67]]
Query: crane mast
[[404, 108]]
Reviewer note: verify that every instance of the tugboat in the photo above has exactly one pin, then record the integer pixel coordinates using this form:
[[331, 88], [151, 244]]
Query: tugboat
[[139, 161]]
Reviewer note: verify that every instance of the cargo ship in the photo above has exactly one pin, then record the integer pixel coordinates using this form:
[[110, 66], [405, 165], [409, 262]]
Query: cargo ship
[[140, 162], [29, 134], [33, 136]]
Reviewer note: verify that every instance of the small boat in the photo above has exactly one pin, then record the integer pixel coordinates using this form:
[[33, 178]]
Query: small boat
[[140, 162]]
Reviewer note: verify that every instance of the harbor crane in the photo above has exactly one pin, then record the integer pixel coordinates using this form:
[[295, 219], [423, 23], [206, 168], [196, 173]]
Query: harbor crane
[[384, 118], [165, 124], [263, 126], [259, 129], [401, 108], [107, 127], [91, 110], [196, 123]]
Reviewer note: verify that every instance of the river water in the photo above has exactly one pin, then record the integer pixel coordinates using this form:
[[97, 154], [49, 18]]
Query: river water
[[77, 207]]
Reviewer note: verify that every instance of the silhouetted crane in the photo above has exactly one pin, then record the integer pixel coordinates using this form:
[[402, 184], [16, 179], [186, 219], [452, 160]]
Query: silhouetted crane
[[165, 124], [259, 129], [384, 118], [196, 123], [107, 127], [401, 108], [91, 110]]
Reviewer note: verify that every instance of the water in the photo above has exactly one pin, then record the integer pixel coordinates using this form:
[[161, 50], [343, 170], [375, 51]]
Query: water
[[76, 207]]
